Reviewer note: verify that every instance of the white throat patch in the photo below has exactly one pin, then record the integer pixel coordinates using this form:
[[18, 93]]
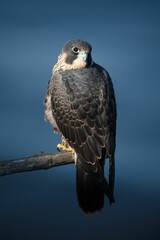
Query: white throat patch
[[62, 65]]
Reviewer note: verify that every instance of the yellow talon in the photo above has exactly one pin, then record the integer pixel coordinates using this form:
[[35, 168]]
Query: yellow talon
[[63, 148]]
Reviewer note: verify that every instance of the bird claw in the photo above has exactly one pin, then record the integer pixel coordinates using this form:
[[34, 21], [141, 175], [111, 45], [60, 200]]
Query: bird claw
[[61, 147]]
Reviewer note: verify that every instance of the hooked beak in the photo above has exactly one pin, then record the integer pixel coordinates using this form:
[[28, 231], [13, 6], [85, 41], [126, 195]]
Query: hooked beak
[[83, 56]]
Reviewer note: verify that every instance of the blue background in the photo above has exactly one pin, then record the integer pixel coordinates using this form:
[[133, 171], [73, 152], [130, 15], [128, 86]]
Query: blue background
[[125, 36]]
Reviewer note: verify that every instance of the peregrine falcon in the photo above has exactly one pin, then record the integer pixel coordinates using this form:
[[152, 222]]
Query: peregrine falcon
[[81, 106]]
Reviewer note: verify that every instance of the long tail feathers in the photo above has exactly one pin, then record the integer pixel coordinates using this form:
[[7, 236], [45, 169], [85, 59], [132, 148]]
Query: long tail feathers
[[90, 195]]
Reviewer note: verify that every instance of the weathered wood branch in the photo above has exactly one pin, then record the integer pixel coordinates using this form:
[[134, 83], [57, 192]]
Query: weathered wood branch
[[36, 162]]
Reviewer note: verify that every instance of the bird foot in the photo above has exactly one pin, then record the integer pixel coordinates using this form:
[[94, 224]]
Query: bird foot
[[61, 147]]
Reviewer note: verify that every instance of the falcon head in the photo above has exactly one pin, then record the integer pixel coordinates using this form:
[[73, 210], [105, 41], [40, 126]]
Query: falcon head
[[75, 54]]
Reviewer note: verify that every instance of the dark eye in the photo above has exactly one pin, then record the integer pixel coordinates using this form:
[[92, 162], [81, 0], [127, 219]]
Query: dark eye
[[75, 50]]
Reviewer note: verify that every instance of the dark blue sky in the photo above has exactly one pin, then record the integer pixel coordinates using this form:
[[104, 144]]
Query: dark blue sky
[[125, 37]]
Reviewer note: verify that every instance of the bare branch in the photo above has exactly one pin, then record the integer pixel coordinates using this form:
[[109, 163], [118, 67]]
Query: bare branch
[[36, 162]]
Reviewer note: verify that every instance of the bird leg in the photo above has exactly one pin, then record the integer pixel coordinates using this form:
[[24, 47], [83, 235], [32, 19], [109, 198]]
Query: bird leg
[[64, 146]]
